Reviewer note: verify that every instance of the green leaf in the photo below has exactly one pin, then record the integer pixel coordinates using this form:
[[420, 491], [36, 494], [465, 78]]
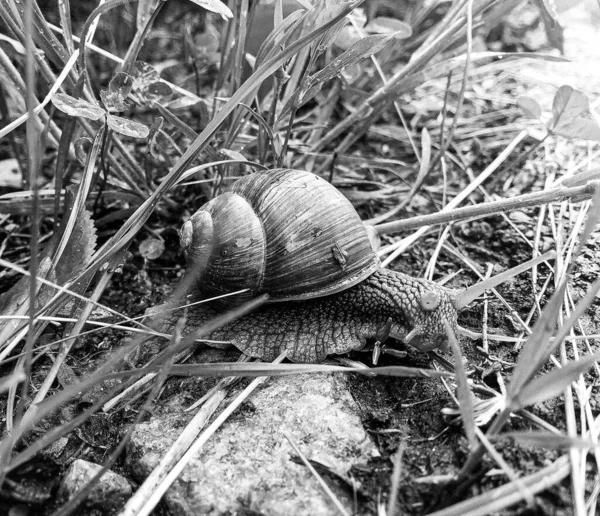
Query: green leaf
[[325, 16], [159, 89], [552, 384], [147, 85], [152, 248], [121, 84], [127, 127], [383, 25], [530, 107], [555, 7], [114, 98], [362, 49], [463, 391], [215, 6], [347, 37], [144, 11], [143, 75], [579, 128], [153, 143], [112, 102], [277, 39], [536, 350], [568, 104], [77, 107], [79, 249]]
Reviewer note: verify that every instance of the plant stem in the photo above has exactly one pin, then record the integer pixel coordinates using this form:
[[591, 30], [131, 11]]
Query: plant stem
[[580, 193]]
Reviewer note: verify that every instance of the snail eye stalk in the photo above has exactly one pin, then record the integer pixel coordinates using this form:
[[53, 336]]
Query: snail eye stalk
[[430, 300]]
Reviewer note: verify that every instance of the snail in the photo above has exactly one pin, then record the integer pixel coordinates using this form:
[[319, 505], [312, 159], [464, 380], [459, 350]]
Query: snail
[[294, 236]]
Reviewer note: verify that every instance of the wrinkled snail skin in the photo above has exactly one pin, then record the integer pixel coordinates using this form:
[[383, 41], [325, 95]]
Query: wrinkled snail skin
[[292, 235], [308, 331]]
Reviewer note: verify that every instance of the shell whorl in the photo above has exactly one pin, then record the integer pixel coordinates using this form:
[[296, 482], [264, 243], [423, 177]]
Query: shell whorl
[[284, 232]]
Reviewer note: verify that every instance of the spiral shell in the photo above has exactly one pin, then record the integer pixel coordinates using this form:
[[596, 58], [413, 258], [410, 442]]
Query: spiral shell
[[288, 233]]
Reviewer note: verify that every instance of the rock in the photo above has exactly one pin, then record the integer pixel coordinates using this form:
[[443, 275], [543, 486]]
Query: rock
[[245, 467], [109, 493]]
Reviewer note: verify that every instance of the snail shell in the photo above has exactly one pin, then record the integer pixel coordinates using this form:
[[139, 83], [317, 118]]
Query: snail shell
[[288, 233]]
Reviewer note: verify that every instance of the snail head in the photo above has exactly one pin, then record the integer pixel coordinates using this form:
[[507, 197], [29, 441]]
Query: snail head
[[439, 306]]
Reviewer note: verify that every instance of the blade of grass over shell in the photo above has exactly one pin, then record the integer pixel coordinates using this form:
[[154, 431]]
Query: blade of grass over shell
[[134, 385]]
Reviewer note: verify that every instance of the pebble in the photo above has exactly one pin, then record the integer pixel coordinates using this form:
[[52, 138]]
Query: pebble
[[110, 492]]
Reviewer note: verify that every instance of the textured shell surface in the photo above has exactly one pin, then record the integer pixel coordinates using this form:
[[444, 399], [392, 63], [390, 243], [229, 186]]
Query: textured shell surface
[[287, 233], [316, 243]]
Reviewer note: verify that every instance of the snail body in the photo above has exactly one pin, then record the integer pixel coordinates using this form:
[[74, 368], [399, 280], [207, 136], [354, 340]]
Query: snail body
[[294, 236]]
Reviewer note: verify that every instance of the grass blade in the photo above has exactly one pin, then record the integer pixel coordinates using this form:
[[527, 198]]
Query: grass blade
[[551, 384]]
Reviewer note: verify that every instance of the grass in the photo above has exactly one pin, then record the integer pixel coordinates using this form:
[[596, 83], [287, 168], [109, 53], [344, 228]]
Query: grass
[[127, 158]]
